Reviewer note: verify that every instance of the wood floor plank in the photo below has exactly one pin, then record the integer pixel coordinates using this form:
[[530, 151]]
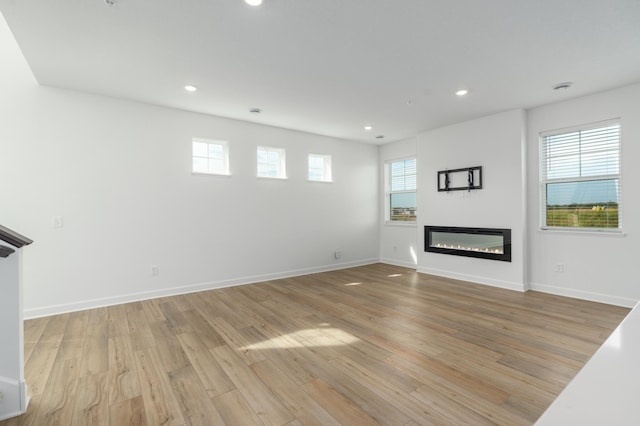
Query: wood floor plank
[[377, 344], [38, 368], [123, 373], [61, 388], [162, 408], [209, 371], [168, 347], [95, 351], [236, 340], [92, 401], [340, 407], [197, 408], [303, 407], [139, 330], [130, 412], [235, 410], [266, 405]]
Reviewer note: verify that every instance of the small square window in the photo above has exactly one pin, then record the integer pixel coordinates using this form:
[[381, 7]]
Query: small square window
[[210, 157], [271, 162], [319, 168]]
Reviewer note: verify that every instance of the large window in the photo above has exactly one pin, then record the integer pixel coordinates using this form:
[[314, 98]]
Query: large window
[[400, 193], [210, 157], [580, 177], [319, 168], [271, 162]]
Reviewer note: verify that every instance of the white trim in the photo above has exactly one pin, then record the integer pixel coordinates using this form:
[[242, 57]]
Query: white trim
[[593, 232], [579, 127], [388, 192], [282, 161], [327, 168], [412, 223], [473, 279], [396, 262], [15, 399], [192, 288], [544, 180], [584, 295], [225, 156]]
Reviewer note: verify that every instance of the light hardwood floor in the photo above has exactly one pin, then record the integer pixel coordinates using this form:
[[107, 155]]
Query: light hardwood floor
[[377, 344]]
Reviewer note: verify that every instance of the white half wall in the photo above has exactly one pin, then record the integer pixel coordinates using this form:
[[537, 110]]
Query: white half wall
[[118, 174], [596, 266], [496, 143]]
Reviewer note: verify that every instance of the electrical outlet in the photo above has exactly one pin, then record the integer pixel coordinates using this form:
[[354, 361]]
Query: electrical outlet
[[559, 267], [154, 270], [337, 254]]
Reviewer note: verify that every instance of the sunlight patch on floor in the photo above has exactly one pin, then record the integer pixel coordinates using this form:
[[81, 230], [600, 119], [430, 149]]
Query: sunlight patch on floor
[[350, 284], [315, 337]]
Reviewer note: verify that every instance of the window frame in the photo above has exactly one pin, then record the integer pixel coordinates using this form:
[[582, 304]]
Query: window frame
[[544, 180], [388, 192], [225, 156], [327, 172], [282, 162]]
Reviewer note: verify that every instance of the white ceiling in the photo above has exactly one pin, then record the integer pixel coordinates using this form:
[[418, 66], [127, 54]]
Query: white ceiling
[[333, 66]]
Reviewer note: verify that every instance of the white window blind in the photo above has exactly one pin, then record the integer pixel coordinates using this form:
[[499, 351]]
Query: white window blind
[[401, 185], [580, 177]]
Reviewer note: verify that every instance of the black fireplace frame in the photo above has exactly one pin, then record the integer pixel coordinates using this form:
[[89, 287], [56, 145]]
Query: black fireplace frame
[[505, 256]]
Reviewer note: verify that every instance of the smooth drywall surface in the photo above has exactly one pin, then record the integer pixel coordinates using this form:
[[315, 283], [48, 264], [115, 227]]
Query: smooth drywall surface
[[496, 143], [594, 266], [117, 176], [398, 243]]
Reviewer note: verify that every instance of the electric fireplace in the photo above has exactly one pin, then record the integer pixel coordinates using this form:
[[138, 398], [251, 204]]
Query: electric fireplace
[[484, 243]]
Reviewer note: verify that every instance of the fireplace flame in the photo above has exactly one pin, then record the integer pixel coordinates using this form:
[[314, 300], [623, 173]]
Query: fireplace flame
[[477, 249]]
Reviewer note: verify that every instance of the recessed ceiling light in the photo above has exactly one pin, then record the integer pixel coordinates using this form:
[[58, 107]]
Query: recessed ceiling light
[[562, 86], [255, 110], [190, 88], [253, 2], [462, 92], [368, 127]]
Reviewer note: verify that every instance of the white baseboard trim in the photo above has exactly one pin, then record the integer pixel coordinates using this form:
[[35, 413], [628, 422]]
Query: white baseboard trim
[[584, 295], [192, 288], [396, 262], [14, 398], [474, 279]]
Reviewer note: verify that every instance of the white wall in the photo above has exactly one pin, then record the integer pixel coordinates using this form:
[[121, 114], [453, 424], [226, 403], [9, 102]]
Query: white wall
[[398, 243], [119, 173], [496, 143], [596, 267]]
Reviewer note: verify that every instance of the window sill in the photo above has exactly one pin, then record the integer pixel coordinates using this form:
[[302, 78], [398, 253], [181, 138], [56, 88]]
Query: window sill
[[226, 175], [590, 233], [271, 178], [319, 181], [405, 224]]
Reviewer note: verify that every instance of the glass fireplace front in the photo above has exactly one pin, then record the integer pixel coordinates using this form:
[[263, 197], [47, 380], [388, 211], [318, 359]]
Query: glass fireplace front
[[485, 243]]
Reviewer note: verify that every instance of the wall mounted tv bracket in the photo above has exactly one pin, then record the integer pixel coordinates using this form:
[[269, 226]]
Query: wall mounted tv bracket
[[464, 179]]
